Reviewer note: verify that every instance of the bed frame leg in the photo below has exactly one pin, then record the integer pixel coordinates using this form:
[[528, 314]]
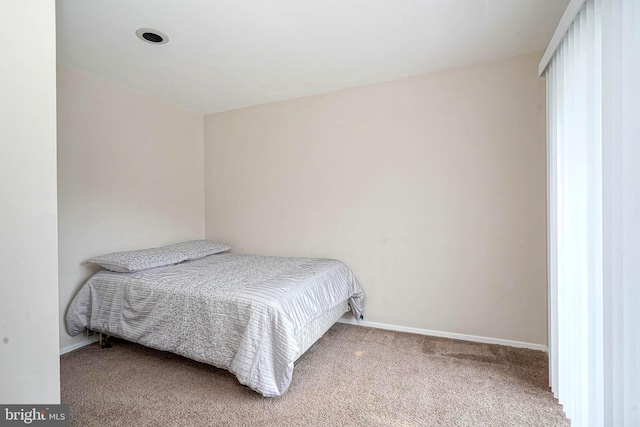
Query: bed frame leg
[[104, 341]]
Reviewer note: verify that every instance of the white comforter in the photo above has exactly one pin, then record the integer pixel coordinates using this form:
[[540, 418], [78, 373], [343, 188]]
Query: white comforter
[[236, 312]]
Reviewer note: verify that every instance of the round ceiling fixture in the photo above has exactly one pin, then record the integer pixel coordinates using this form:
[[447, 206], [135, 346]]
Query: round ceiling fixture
[[152, 36]]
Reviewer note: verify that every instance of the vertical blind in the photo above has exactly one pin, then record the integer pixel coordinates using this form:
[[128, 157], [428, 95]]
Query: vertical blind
[[593, 166]]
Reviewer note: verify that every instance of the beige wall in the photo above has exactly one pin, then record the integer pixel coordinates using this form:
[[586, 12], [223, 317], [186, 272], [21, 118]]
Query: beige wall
[[432, 189], [29, 363], [130, 176]]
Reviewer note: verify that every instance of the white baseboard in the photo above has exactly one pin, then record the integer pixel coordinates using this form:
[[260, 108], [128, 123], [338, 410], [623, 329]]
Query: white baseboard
[[86, 341], [452, 335], [366, 324]]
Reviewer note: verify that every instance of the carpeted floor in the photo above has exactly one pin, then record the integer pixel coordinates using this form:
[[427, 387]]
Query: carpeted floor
[[354, 376]]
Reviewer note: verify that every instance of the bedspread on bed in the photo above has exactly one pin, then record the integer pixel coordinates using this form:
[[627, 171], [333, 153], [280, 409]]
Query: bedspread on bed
[[236, 312]]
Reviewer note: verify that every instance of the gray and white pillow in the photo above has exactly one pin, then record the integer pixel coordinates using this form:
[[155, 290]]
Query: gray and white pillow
[[143, 259], [196, 249]]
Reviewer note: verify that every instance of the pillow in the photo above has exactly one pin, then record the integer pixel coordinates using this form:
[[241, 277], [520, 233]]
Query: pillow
[[196, 249], [144, 259]]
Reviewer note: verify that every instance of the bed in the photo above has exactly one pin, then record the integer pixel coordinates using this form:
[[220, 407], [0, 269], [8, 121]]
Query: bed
[[251, 315]]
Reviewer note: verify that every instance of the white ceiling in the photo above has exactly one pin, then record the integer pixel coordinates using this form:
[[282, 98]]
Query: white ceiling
[[226, 54]]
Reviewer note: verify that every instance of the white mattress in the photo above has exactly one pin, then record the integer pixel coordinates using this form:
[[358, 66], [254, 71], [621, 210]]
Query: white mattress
[[252, 315]]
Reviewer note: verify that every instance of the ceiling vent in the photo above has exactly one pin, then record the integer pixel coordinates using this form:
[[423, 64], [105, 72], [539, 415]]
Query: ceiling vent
[[152, 36]]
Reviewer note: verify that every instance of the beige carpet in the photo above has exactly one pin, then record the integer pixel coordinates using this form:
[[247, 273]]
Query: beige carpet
[[353, 376]]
